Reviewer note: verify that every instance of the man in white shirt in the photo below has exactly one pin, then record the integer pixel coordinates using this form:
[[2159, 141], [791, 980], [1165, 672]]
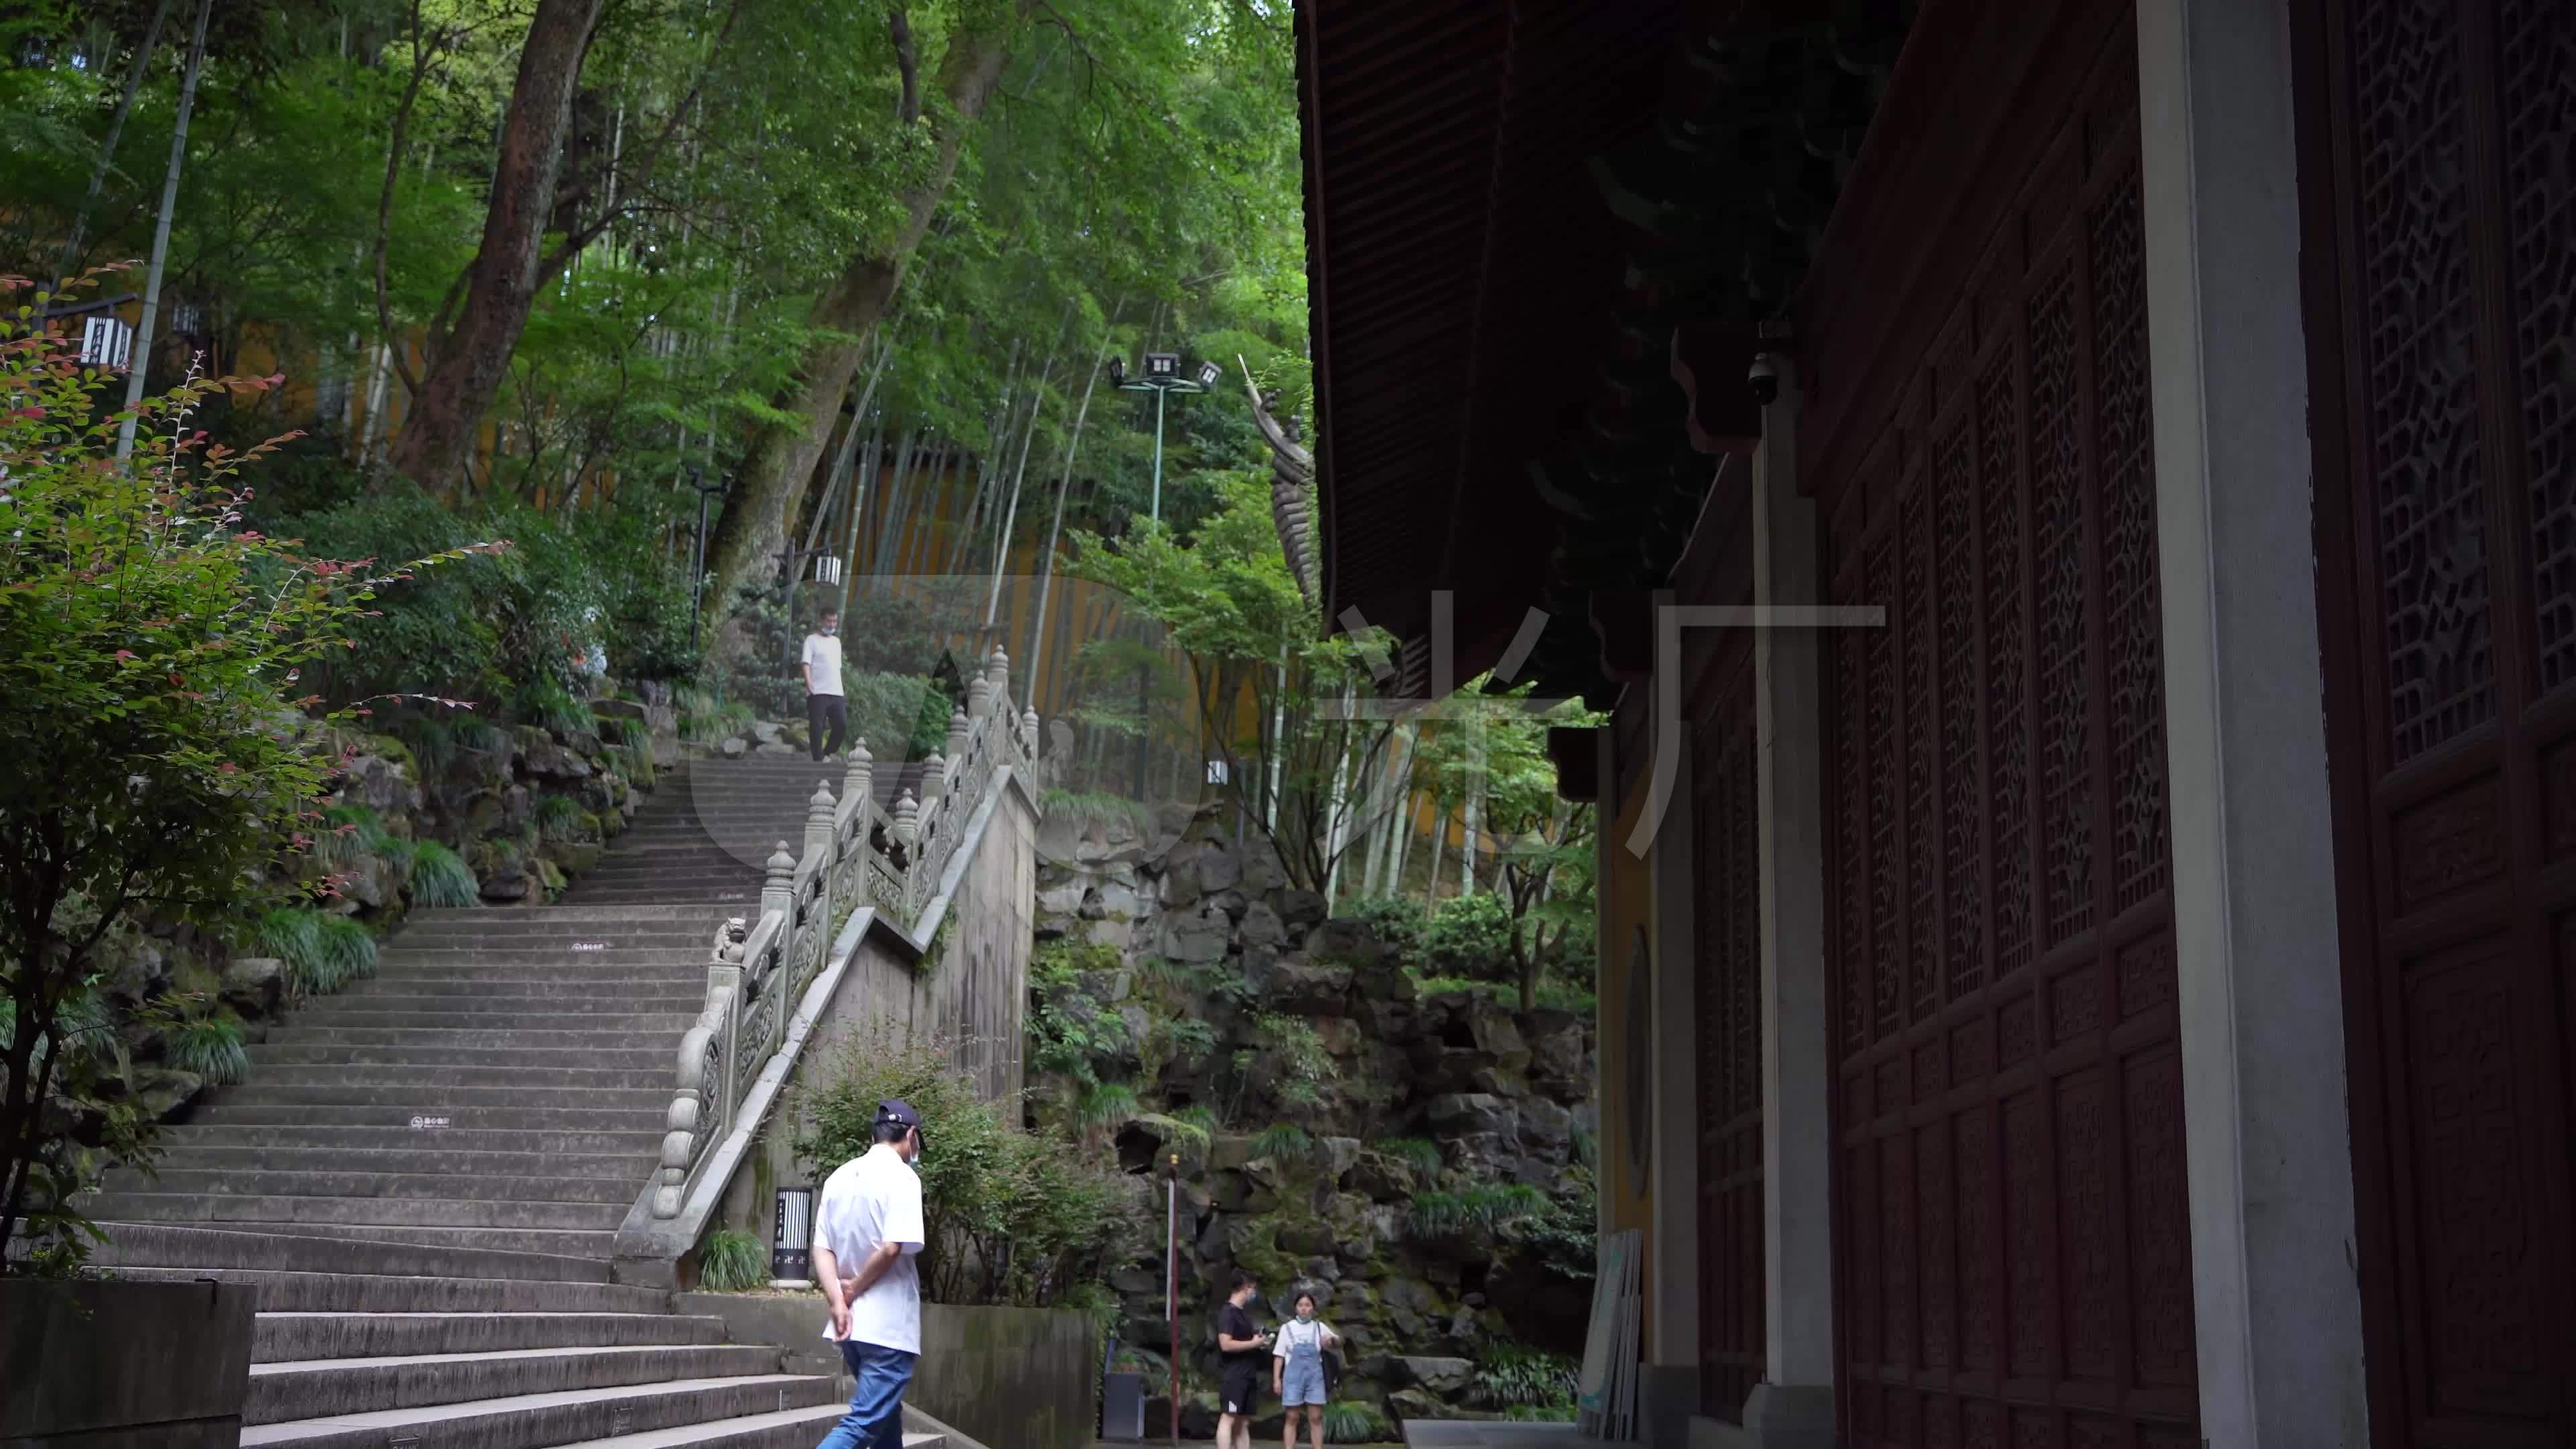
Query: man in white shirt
[[823, 702], [867, 1227]]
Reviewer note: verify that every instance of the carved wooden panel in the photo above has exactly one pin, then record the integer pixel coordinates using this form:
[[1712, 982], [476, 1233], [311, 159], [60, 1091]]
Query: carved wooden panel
[[2014, 1249], [2442, 277], [1727, 862]]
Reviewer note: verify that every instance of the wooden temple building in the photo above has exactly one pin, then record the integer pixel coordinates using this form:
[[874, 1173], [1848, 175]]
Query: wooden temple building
[[2124, 995]]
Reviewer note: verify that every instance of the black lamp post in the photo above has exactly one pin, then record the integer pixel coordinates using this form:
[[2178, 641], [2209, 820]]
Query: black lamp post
[[1162, 377]]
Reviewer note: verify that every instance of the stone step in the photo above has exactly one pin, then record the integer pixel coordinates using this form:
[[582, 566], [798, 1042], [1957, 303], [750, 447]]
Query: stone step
[[636, 1051], [288, 1292], [605, 938], [592, 1244], [333, 1388], [427, 1156], [429, 1082], [210, 1135], [482, 1016], [748, 893], [446, 1179], [566, 1417], [142, 1244], [664, 989], [236, 1211], [792, 1429], [422, 916], [289, 1336], [594, 1036], [539, 974], [372, 1101]]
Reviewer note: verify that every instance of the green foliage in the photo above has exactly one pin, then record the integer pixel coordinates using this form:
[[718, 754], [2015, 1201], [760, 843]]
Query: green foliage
[[1304, 1067], [544, 701], [350, 831], [1420, 1154], [1352, 1421], [1562, 1237], [559, 817], [732, 1261], [1193, 1129], [1485, 1206], [902, 717], [1401, 923], [322, 952], [210, 1046], [440, 878], [1011, 1216], [1470, 936], [1283, 1142], [1105, 1104], [173, 760], [1511, 1375]]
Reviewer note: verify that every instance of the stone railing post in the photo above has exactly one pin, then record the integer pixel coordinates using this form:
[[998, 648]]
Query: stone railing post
[[907, 821], [934, 782], [956, 735], [979, 697], [997, 669], [1029, 733], [860, 783], [778, 892], [818, 823]]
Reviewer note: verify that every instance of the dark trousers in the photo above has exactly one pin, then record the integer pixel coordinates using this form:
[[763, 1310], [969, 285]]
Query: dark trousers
[[822, 710]]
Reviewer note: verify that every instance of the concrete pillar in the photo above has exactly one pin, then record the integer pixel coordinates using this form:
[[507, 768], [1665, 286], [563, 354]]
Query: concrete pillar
[[1794, 1404], [1669, 1387], [2267, 1129]]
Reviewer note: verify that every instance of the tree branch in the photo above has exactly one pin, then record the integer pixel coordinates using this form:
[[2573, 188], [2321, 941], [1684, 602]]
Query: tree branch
[[908, 61]]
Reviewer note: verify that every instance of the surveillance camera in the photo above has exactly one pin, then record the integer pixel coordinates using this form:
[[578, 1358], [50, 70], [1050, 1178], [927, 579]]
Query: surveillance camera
[[1764, 379]]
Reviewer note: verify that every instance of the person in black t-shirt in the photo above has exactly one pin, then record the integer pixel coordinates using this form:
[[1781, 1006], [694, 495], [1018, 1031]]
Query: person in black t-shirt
[[1245, 1351]]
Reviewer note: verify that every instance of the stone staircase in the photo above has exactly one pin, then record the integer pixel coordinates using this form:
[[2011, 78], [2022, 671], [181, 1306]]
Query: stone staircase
[[424, 1173], [370, 1345]]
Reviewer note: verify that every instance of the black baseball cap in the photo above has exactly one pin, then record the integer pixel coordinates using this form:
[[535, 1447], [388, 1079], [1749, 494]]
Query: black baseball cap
[[897, 1110]]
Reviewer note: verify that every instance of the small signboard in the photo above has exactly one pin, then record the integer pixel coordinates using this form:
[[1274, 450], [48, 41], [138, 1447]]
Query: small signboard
[[428, 1124], [590, 945], [791, 1248]]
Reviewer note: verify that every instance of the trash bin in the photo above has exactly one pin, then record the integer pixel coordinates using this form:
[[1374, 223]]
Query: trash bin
[[1122, 1408]]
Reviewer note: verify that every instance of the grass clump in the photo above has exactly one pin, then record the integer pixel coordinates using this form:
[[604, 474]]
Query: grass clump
[[209, 1046], [559, 817], [1485, 1206], [439, 877], [1418, 1153], [322, 952], [731, 1261], [1283, 1141]]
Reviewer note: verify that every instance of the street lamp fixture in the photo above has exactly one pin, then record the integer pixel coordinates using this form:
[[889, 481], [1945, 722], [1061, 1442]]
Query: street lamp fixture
[[1162, 377]]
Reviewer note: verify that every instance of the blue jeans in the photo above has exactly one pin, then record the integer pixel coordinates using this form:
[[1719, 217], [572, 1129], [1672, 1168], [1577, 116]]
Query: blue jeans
[[875, 1420]]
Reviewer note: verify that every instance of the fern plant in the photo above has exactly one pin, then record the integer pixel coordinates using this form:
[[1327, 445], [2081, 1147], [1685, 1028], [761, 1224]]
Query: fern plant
[[1105, 1104], [209, 1046], [439, 877], [544, 702], [731, 1261]]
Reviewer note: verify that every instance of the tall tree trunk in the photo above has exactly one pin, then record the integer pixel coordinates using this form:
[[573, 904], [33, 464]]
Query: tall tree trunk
[[1064, 487], [139, 361], [115, 131], [501, 283], [780, 458]]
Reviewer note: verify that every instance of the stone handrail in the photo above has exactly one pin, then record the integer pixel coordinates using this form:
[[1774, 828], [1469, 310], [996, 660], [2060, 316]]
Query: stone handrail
[[855, 854]]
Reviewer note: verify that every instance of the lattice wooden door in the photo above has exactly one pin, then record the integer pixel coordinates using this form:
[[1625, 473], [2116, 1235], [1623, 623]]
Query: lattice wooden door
[[1726, 859], [2012, 1231], [2438, 140]]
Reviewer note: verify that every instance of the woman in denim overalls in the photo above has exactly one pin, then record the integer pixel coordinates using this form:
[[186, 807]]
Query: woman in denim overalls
[[1297, 1373]]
